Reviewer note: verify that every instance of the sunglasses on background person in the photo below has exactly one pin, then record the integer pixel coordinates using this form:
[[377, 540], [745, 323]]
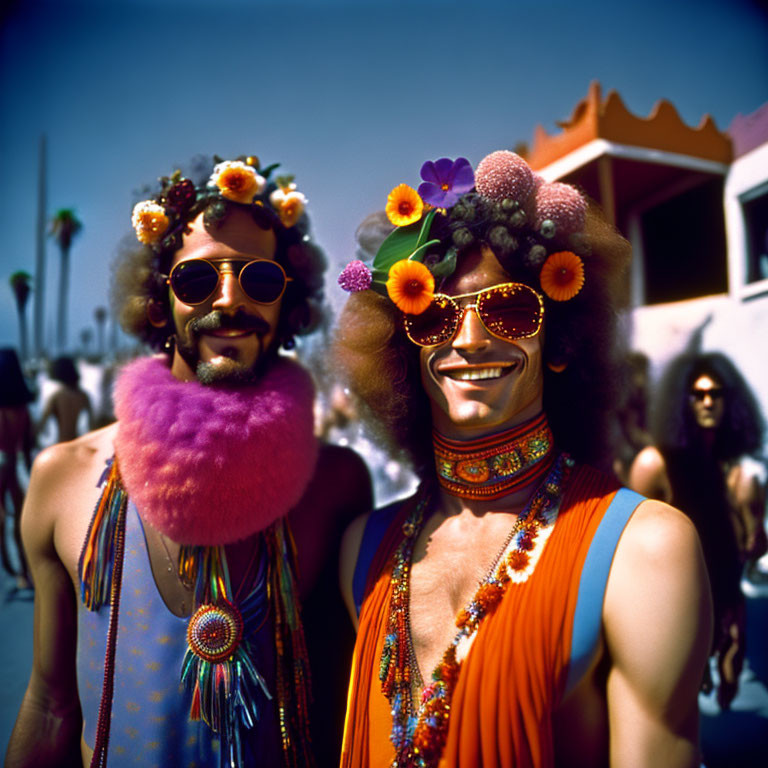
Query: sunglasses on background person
[[508, 311], [700, 395], [194, 281]]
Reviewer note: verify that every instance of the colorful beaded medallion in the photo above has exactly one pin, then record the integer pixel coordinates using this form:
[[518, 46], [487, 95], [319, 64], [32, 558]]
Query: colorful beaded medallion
[[419, 734], [493, 467], [214, 632]]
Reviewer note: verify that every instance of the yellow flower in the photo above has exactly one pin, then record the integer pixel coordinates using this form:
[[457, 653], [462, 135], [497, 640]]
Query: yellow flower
[[410, 286], [149, 222], [562, 275], [289, 204], [404, 206], [237, 181]]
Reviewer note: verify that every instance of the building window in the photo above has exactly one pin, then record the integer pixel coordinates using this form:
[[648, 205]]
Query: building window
[[755, 207], [684, 246]]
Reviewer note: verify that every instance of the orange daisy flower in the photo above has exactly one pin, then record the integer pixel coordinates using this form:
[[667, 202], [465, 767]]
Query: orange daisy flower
[[562, 275], [149, 222], [237, 181], [404, 206], [410, 286]]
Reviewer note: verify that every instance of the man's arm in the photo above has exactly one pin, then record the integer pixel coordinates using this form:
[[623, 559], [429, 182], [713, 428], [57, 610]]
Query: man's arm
[[47, 730], [658, 629]]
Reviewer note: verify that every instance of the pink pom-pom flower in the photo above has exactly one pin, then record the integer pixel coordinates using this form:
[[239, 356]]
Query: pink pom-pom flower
[[504, 175], [561, 204], [355, 277]]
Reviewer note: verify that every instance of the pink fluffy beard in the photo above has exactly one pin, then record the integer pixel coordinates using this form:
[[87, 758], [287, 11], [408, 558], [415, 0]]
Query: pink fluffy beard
[[213, 465]]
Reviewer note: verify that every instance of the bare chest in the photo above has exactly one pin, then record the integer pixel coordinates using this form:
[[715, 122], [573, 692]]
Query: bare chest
[[448, 566]]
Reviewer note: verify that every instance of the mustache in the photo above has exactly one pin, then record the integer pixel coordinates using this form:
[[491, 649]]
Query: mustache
[[241, 320]]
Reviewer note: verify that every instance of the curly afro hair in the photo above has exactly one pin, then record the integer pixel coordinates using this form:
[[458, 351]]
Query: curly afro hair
[[139, 272]]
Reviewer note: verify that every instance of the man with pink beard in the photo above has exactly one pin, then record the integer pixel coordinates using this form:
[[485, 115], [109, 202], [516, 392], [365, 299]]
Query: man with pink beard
[[166, 548]]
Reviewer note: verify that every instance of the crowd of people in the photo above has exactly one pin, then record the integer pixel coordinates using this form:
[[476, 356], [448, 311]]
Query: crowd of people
[[22, 434], [214, 584]]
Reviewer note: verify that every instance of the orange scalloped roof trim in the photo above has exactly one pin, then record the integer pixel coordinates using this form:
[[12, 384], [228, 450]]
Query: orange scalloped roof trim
[[663, 129]]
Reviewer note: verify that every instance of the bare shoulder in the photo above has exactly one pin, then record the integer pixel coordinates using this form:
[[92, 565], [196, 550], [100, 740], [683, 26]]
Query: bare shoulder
[[69, 462], [659, 547], [648, 474], [63, 491], [650, 458], [657, 529]]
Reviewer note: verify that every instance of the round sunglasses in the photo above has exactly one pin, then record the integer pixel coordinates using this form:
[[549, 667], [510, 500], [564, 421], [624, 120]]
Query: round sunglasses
[[195, 281], [508, 311]]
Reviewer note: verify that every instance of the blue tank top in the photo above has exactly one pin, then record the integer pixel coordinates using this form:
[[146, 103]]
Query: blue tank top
[[150, 708]]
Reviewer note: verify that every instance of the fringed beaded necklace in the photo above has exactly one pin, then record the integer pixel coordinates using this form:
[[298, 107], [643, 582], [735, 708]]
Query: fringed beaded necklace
[[226, 687], [492, 467], [418, 734]]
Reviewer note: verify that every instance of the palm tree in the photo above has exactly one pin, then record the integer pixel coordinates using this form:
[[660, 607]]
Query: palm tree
[[21, 285], [64, 226], [86, 336], [100, 316]]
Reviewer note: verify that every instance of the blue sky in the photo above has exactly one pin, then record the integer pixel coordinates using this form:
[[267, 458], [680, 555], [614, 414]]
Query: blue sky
[[350, 96]]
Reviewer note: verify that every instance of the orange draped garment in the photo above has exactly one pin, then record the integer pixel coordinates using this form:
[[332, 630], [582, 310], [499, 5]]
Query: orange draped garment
[[514, 675]]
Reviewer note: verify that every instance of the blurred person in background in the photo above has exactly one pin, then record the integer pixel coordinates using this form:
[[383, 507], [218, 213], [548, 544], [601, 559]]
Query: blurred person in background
[[67, 402], [708, 437], [16, 436], [633, 433]]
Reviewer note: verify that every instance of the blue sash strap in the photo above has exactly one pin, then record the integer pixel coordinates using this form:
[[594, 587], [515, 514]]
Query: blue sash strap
[[375, 528], [588, 617]]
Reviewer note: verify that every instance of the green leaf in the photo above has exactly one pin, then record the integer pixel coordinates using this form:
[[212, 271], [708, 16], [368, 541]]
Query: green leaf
[[403, 242], [418, 254], [425, 227], [284, 181], [446, 266], [266, 171], [398, 245]]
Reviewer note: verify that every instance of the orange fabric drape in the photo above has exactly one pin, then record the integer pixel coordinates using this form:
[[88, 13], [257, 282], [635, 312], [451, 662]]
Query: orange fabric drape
[[514, 675]]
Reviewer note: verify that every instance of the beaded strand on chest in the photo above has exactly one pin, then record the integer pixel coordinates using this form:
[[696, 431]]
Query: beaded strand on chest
[[419, 733]]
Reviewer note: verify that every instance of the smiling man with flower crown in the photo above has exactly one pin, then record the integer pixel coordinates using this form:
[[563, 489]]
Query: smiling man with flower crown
[[168, 628], [521, 609]]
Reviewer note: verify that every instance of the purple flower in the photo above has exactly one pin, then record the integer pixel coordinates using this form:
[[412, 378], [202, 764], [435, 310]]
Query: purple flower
[[355, 277], [445, 180]]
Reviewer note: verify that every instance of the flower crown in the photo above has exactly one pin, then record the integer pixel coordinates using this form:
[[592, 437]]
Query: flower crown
[[528, 221], [160, 221]]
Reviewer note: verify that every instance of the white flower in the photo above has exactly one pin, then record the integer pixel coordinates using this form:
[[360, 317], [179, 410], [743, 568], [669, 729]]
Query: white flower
[[289, 204]]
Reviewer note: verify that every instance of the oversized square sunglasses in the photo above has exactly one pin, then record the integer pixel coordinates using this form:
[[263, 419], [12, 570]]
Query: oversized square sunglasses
[[508, 311], [195, 281]]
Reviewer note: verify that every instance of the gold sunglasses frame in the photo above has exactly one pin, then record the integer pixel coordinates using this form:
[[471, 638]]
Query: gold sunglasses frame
[[215, 264], [460, 313]]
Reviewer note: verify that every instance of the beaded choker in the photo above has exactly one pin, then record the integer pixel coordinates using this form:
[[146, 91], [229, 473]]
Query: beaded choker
[[418, 734], [492, 467]]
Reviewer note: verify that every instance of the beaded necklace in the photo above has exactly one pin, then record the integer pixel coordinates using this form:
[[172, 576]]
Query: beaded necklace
[[492, 467], [419, 735]]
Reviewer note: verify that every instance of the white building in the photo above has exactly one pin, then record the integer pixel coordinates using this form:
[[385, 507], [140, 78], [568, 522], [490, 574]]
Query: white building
[[694, 204]]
